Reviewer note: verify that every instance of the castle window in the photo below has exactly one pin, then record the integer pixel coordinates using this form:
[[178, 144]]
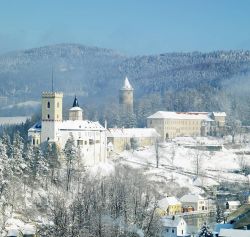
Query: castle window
[[57, 116], [48, 116], [33, 141], [91, 141], [47, 138], [37, 141], [58, 104], [48, 105]]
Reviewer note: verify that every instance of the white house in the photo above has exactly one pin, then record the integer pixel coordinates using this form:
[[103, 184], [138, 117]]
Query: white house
[[89, 136], [232, 205], [174, 227]]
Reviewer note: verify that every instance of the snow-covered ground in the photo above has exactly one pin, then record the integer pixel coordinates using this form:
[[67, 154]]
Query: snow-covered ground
[[179, 163]]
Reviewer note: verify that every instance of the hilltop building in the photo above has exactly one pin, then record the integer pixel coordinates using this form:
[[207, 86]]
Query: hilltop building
[[88, 135], [126, 100], [178, 124]]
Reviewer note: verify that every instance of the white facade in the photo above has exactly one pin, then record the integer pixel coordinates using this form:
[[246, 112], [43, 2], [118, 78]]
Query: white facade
[[88, 135], [174, 227]]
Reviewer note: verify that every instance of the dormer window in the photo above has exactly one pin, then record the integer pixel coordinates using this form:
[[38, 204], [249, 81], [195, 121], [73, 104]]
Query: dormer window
[[48, 105]]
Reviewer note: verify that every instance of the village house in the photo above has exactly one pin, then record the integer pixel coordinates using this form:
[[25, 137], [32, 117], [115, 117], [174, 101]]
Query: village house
[[120, 139], [174, 226], [232, 205], [194, 202], [169, 206], [178, 124]]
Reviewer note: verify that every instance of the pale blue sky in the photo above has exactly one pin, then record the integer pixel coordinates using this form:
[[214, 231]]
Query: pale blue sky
[[129, 26]]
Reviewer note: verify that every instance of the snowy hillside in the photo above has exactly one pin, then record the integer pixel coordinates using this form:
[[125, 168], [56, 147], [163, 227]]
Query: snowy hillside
[[179, 164]]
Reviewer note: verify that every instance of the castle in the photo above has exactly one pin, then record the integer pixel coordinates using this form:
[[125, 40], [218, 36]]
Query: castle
[[94, 140], [88, 135]]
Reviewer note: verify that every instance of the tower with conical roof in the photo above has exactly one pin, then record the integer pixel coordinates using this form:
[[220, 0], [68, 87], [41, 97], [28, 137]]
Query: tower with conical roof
[[75, 113], [126, 100]]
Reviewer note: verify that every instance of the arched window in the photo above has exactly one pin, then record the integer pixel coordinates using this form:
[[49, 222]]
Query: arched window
[[48, 116], [48, 105]]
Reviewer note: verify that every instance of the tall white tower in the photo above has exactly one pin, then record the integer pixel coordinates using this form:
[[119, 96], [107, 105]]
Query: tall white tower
[[51, 115], [75, 113]]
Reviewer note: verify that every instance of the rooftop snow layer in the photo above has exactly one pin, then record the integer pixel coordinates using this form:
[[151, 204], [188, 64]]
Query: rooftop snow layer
[[165, 202], [181, 115]]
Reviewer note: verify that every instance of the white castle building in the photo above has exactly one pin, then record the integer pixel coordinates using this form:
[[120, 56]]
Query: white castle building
[[88, 135]]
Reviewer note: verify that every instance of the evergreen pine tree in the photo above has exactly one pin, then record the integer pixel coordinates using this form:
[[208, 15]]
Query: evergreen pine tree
[[17, 162], [70, 153], [204, 231]]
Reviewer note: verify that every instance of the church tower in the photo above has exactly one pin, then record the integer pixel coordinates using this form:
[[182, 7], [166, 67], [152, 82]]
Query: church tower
[[75, 113], [126, 100], [51, 115]]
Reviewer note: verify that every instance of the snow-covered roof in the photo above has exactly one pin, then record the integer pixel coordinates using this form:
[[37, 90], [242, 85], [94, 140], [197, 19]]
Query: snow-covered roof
[[29, 229], [192, 198], [181, 115], [80, 125], [71, 125], [127, 85], [168, 201], [13, 232], [171, 222], [234, 232], [36, 127], [132, 132], [75, 109], [234, 203], [220, 226], [219, 114]]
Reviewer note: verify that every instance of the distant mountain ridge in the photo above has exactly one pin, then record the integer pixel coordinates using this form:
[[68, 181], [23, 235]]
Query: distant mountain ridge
[[96, 74]]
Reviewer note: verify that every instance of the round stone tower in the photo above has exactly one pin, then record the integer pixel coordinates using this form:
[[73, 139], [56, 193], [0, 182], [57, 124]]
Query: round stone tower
[[126, 100]]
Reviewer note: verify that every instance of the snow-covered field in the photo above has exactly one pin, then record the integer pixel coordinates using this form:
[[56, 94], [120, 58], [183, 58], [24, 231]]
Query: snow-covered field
[[180, 163]]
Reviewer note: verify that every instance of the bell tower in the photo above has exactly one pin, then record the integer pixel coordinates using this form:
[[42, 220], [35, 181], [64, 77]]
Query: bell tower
[[126, 100], [51, 115], [75, 113]]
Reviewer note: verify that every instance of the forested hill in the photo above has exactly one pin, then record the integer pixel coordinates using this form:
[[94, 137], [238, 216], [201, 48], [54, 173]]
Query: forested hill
[[174, 81]]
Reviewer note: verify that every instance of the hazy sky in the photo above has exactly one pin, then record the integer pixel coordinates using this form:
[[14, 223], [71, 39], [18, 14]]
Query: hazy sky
[[130, 26]]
